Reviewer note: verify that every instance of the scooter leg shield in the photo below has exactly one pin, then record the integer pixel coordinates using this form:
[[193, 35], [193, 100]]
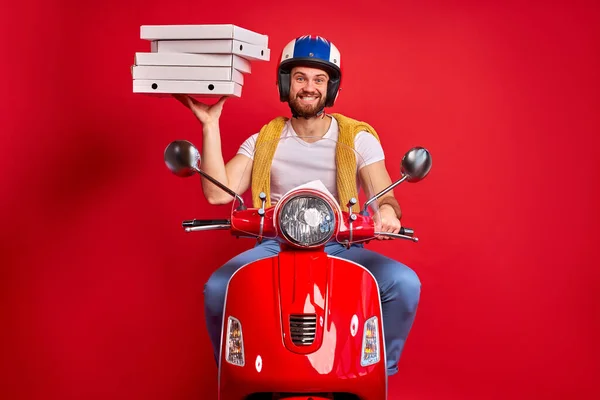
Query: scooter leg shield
[[299, 329]]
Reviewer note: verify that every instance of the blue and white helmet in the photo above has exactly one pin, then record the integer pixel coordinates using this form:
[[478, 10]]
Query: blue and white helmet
[[310, 51]]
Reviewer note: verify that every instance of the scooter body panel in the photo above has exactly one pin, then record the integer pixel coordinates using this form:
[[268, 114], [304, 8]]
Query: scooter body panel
[[278, 300]]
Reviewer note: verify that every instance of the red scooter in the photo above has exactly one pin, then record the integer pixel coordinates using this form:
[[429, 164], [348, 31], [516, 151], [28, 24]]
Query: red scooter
[[301, 324]]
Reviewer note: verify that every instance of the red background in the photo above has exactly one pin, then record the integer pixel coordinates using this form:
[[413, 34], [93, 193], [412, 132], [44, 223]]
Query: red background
[[101, 291]]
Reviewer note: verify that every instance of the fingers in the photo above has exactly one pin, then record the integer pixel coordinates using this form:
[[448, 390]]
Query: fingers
[[218, 106], [198, 104], [182, 98], [222, 100], [381, 226], [388, 226], [190, 102]]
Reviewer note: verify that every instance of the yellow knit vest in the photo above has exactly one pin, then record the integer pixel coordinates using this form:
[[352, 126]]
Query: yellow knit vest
[[266, 144]]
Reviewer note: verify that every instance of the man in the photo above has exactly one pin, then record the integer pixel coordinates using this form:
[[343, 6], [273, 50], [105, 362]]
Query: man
[[309, 77]]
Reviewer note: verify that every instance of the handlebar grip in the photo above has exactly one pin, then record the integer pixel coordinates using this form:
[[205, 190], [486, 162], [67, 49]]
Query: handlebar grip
[[407, 231], [204, 222]]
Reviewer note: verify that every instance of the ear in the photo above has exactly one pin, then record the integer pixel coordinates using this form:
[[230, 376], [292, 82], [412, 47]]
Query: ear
[[284, 87]]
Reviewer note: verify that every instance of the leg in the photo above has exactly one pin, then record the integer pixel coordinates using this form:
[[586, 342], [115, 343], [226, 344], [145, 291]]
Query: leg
[[400, 290], [215, 287]]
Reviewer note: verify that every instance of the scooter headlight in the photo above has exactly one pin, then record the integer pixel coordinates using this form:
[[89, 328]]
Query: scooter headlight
[[234, 353], [307, 220], [370, 346]]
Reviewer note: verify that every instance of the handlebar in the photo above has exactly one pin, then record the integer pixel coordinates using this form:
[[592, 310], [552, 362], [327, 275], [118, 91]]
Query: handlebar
[[194, 225], [405, 233]]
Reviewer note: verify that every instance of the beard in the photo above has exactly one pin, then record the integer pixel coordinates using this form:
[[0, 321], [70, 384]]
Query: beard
[[306, 110]]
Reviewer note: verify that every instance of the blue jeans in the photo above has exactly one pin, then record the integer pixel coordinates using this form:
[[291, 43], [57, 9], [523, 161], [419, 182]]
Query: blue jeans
[[399, 286]]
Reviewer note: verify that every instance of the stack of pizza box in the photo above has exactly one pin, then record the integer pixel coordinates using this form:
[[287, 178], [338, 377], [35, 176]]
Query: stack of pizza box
[[200, 60]]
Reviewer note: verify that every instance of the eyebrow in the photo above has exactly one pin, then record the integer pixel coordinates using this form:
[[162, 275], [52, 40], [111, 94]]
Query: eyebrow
[[303, 74]]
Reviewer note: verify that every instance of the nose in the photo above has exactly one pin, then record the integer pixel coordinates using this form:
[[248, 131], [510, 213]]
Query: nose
[[309, 85]]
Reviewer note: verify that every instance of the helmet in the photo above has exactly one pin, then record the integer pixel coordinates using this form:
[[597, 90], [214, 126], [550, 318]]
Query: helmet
[[310, 51]]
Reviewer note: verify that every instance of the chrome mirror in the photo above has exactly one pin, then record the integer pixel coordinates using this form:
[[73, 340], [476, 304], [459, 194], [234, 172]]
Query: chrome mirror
[[416, 164], [182, 158]]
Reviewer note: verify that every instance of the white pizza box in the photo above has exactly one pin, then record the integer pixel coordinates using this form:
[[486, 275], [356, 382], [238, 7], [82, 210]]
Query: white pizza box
[[245, 50], [177, 73], [198, 88], [208, 31], [189, 59]]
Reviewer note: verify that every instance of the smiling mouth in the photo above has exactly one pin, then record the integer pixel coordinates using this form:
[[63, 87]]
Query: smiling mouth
[[308, 99]]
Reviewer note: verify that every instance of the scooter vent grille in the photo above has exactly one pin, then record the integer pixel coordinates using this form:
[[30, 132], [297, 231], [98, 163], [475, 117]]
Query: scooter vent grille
[[303, 328]]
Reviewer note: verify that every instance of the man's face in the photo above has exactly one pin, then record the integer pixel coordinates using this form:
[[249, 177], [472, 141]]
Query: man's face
[[308, 90]]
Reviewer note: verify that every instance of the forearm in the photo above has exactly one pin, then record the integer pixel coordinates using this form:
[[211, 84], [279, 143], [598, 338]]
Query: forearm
[[213, 164], [390, 200]]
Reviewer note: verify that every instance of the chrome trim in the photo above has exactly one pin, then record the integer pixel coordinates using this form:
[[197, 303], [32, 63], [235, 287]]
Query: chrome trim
[[303, 329], [384, 191], [397, 236], [295, 242], [208, 227], [223, 187], [262, 212], [351, 218]]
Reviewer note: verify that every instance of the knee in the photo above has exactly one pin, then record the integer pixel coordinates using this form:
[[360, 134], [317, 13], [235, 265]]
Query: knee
[[214, 293], [213, 285], [406, 285]]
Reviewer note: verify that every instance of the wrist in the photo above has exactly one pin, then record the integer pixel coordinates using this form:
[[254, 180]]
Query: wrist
[[387, 208], [391, 203], [210, 127]]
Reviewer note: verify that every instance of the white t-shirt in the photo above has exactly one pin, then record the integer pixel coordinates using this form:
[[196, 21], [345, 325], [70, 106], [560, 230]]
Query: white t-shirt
[[297, 162]]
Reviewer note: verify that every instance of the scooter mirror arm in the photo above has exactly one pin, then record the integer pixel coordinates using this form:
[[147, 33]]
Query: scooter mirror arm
[[223, 187], [384, 191]]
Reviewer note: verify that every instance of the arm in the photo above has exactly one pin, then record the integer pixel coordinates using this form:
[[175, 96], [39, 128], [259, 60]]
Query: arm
[[237, 173], [374, 177]]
